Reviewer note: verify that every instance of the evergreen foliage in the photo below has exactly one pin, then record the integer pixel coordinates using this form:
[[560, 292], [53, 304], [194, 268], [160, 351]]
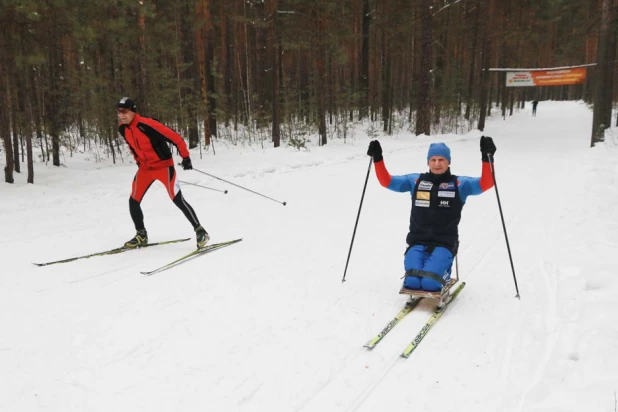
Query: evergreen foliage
[[259, 70]]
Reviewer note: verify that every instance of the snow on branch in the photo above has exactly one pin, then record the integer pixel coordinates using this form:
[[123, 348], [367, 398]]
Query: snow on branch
[[447, 6]]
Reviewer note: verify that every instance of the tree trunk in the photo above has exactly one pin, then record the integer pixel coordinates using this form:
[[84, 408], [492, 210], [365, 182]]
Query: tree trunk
[[504, 59], [414, 58], [486, 59], [611, 64], [248, 79], [55, 79], [273, 51], [38, 110], [440, 69], [16, 132], [321, 103], [5, 128], [602, 111], [319, 78], [386, 81], [203, 12], [28, 133], [224, 64], [363, 82], [473, 52], [142, 61], [211, 90], [190, 76], [423, 111]]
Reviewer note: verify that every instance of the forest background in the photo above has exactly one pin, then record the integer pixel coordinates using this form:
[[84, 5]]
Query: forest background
[[284, 71]]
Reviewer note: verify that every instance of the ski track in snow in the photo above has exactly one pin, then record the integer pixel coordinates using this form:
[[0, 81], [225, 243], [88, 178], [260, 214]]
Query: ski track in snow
[[267, 324], [552, 326], [373, 384], [107, 272]]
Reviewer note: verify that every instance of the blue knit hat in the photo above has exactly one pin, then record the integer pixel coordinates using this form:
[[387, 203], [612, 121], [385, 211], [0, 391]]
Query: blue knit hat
[[439, 149]]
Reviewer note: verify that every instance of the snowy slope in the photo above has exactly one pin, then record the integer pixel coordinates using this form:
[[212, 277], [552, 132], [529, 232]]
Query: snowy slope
[[267, 324]]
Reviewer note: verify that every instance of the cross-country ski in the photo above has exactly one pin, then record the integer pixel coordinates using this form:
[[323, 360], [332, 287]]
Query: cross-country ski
[[191, 255], [111, 252]]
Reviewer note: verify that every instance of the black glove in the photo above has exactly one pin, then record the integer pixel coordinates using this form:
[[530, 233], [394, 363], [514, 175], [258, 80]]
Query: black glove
[[186, 164], [487, 147], [375, 151]]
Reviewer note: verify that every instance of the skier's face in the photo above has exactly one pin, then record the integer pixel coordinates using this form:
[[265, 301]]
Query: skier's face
[[125, 116], [438, 165]]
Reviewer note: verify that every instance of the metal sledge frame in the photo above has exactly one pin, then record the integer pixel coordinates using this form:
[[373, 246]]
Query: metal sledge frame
[[442, 294]]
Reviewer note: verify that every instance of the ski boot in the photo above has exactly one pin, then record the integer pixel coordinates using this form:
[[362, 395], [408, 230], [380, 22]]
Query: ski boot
[[140, 239], [201, 236]]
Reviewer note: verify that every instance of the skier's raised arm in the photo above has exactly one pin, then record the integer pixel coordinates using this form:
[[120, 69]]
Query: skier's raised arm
[[403, 183], [472, 186]]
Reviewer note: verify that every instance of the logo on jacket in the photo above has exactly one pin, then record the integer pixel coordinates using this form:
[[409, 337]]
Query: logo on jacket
[[423, 195], [421, 203], [447, 186], [443, 193], [444, 203], [425, 185]]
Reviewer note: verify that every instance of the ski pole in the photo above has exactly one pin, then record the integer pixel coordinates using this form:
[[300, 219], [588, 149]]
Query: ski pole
[[357, 217], [508, 247], [203, 187], [244, 188]]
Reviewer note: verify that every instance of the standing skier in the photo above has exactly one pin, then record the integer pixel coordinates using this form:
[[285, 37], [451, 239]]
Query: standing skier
[[535, 103], [437, 200], [148, 140]]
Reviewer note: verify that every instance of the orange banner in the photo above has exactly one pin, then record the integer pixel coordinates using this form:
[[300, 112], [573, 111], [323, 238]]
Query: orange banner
[[546, 77]]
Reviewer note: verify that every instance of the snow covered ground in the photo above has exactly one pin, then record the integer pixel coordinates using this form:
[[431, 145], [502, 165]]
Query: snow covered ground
[[267, 324]]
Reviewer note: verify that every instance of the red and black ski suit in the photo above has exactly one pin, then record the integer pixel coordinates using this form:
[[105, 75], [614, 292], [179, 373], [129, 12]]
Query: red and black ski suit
[[149, 141]]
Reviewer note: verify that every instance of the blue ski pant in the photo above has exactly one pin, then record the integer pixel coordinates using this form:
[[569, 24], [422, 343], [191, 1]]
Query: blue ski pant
[[439, 261]]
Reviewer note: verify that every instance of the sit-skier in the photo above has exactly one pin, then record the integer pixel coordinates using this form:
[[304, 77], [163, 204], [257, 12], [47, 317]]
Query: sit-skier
[[437, 200]]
